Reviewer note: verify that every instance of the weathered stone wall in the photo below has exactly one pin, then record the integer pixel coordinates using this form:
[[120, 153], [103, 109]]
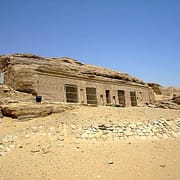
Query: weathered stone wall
[[52, 89], [47, 77]]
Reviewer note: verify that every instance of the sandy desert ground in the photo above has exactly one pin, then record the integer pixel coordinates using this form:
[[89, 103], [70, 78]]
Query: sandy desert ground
[[107, 143]]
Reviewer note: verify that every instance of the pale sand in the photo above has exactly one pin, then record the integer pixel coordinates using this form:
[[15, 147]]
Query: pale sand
[[76, 158]]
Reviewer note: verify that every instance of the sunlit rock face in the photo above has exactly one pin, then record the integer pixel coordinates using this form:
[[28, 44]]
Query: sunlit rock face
[[49, 77]]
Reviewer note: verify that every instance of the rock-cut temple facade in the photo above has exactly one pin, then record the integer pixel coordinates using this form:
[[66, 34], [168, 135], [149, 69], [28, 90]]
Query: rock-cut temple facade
[[67, 80]]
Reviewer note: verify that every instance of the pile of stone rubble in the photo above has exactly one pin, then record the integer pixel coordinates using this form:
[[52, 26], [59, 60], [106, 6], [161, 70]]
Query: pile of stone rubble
[[166, 104], [19, 140], [156, 129], [56, 135]]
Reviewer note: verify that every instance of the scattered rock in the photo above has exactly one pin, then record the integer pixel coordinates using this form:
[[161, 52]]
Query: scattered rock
[[167, 104], [20, 146], [35, 150], [110, 162], [176, 99], [128, 133], [5, 140], [7, 149], [2, 147], [45, 151], [102, 127], [73, 126], [34, 129], [60, 138], [162, 165], [156, 129], [152, 105]]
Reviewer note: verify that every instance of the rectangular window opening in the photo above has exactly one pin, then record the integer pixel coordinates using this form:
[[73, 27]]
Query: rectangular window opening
[[91, 95], [121, 98], [133, 98], [71, 93]]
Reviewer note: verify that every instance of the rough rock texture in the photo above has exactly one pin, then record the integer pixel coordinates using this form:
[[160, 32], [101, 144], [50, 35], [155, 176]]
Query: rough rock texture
[[176, 99], [23, 106], [156, 88], [23, 67], [125, 131], [24, 111], [1, 115], [166, 104], [156, 129], [9, 95], [137, 143], [164, 93]]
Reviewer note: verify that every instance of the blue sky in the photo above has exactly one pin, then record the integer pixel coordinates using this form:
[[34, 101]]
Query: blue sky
[[140, 37]]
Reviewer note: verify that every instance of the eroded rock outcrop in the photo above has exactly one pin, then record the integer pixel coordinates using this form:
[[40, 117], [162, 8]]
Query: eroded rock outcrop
[[166, 104], [9, 95], [21, 71], [156, 88], [176, 99], [23, 106], [164, 93], [25, 111]]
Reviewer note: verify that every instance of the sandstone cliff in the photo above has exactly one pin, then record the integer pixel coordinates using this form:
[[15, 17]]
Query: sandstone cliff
[[20, 70]]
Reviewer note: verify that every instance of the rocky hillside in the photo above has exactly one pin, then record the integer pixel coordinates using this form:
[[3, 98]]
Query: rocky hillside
[[164, 92], [63, 65]]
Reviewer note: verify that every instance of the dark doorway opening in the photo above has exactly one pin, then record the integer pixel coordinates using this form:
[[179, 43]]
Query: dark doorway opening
[[108, 97]]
